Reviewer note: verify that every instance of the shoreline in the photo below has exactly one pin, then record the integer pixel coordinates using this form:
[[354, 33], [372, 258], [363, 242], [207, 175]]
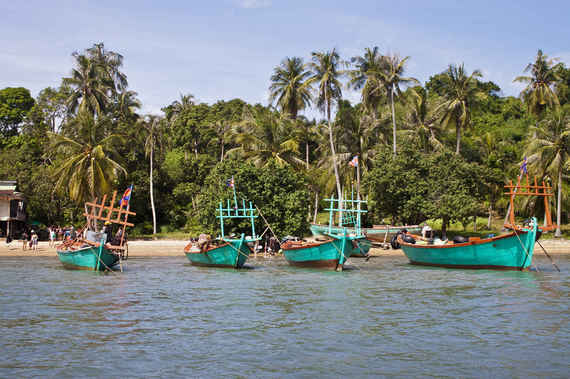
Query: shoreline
[[171, 248]]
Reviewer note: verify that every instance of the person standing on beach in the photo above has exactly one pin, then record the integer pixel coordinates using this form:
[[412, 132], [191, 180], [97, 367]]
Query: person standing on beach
[[24, 240], [34, 240], [51, 231]]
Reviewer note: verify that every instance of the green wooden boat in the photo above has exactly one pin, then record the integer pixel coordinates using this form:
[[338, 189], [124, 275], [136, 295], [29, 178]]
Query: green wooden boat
[[94, 258], [225, 251], [378, 233], [330, 254], [349, 224], [220, 253], [512, 251], [93, 252]]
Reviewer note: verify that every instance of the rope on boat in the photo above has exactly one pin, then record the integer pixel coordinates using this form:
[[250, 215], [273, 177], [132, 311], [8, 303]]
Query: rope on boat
[[345, 257], [548, 255], [266, 223], [524, 249], [107, 268]]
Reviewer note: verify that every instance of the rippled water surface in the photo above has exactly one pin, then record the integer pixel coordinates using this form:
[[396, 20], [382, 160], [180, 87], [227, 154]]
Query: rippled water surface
[[165, 318]]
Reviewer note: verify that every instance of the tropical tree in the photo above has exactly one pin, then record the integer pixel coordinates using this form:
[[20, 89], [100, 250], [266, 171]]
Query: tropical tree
[[264, 136], [179, 107], [127, 104], [87, 169], [393, 69], [461, 94], [422, 117], [549, 151], [108, 64], [367, 77], [89, 89], [152, 126], [539, 94], [290, 87], [326, 73]]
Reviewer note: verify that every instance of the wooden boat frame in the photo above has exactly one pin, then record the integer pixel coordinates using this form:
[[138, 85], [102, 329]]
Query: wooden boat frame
[[94, 212]]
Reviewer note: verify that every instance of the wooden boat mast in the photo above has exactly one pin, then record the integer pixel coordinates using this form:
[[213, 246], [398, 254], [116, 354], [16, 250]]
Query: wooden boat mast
[[347, 210], [95, 211], [529, 189], [235, 212]]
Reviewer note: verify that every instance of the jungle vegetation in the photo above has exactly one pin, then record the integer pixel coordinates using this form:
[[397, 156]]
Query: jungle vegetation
[[439, 150]]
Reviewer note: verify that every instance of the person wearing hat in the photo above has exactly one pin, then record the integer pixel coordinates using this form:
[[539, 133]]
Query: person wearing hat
[[106, 230]]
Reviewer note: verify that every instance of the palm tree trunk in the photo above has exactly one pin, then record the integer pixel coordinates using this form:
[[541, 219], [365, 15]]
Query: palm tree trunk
[[490, 217], [307, 154], [393, 119], [222, 155], [336, 175], [151, 193], [316, 208], [558, 233], [457, 136]]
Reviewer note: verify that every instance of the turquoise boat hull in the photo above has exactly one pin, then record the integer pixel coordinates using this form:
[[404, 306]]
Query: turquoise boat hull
[[232, 254], [512, 251], [331, 254], [360, 247], [86, 259], [376, 234]]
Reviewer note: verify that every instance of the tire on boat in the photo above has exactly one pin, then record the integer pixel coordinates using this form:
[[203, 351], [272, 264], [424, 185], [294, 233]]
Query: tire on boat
[[460, 239], [394, 241]]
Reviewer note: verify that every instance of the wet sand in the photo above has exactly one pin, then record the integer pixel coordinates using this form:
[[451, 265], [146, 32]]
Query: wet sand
[[165, 248]]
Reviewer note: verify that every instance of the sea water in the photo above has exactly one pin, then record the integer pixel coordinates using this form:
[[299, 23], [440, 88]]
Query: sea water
[[383, 317]]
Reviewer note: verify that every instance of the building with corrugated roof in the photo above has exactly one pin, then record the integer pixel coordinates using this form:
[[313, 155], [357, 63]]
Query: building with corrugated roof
[[12, 209]]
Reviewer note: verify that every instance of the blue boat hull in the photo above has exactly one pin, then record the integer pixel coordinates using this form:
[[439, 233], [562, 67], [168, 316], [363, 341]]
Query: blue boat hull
[[331, 254], [87, 259], [511, 251], [232, 254]]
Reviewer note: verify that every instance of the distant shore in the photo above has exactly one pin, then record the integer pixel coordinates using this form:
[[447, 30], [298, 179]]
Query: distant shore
[[169, 248]]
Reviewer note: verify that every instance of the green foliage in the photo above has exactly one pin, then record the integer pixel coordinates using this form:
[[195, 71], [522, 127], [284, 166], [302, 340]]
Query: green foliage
[[279, 192], [415, 186], [15, 103]]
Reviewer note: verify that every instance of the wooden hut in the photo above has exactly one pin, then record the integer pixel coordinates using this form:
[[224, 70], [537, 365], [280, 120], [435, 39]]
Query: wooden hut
[[12, 209]]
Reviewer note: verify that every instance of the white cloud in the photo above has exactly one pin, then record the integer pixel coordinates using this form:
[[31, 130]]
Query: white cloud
[[252, 4]]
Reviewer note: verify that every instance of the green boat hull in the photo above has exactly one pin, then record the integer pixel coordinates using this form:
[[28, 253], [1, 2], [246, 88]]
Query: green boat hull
[[232, 255], [372, 234], [360, 247], [86, 259], [507, 252], [325, 255]]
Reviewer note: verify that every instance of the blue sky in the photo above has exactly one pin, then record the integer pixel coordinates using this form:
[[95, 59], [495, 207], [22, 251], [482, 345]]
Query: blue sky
[[223, 49]]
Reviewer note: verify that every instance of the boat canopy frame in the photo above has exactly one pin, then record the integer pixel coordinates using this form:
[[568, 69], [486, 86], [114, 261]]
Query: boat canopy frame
[[529, 189]]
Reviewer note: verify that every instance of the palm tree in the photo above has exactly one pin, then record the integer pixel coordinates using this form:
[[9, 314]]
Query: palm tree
[[422, 118], [539, 93], [461, 93], [325, 72], [88, 170], [179, 107], [127, 104], [289, 87], [367, 77], [109, 64], [89, 90], [549, 151], [152, 125], [392, 77], [264, 135]]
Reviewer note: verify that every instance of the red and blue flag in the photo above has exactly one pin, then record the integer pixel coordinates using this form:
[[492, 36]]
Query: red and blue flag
[[354, 161], [126, 197]]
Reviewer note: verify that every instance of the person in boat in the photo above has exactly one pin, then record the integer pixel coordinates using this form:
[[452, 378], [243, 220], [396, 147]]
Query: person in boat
[[204, 242], [427, 232], [117, 239], [107, 231]]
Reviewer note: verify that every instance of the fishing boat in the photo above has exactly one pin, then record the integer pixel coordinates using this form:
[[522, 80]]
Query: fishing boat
[[333, 252], [96, 250], [350, 222], [510, 251], [376, 234], [225, 251]]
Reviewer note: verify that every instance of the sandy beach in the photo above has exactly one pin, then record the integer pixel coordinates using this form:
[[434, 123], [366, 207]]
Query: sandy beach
[[164, 248]]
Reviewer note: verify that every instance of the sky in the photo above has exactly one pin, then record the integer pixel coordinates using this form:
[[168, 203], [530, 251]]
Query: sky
[[226, 49]]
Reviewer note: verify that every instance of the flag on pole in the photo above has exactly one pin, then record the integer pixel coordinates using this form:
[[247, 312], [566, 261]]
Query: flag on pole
[[354, 161], [523, 167], [126, 197], [230, 182]]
